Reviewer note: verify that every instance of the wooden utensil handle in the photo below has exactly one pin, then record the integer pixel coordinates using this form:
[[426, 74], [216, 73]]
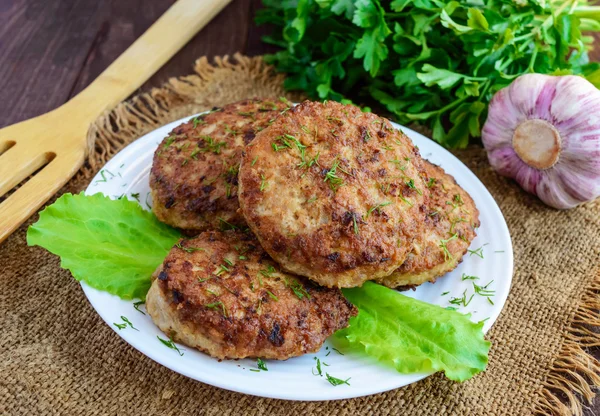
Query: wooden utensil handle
[[146, 55]]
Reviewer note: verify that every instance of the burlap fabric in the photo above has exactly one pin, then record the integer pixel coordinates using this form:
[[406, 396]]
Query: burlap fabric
[[59, 357]]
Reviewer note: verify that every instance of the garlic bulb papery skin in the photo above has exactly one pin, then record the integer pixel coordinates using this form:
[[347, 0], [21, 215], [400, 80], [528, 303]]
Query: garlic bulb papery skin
[[544, 132]]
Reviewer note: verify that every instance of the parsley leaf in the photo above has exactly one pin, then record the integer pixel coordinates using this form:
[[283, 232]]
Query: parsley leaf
[[436, 62]]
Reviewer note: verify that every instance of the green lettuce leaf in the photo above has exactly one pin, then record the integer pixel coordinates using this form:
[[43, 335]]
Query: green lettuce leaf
[[112, 245], [414, 336]]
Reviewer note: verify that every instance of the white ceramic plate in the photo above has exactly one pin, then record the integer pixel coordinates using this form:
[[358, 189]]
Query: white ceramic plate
[[128, 173]]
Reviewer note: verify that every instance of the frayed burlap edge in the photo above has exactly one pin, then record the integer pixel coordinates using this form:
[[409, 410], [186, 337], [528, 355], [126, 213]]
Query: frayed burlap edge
[[575, 372]]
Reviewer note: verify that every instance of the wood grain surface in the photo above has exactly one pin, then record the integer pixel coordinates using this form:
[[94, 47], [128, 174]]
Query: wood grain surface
[[51, 49]]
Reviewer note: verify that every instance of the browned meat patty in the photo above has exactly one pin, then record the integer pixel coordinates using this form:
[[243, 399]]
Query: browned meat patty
[[222, 294], [194, 173], [333, 193], [450, 225]]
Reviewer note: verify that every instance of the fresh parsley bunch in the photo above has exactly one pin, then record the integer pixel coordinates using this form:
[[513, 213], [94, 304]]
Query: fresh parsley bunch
[[432, 61]]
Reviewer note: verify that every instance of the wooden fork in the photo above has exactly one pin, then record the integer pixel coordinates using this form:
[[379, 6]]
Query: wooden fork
[[55, 143]]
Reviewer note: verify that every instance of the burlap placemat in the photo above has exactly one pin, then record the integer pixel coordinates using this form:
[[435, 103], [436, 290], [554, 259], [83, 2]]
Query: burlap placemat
[[58, 356]]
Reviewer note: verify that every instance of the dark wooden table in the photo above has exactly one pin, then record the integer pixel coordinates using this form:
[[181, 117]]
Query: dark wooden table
[[52, 49]]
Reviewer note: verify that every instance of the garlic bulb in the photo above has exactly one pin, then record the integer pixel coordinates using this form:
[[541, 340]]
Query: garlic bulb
[[544, 131]]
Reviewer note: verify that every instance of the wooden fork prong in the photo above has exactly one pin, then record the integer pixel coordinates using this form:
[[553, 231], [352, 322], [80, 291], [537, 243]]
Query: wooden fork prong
[[17, 166], [5, 145], [25, 201]]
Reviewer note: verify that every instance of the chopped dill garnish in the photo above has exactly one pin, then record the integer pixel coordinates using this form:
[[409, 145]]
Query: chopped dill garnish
[[254, 161], [195, 152], [454, 222], [367, 136], [386, 147], [490, 301], [334, 181], [336, 381], [305, 129], [261, 365], [276, 147], [319, 372], [212, 146], [377, 207], [218, 305], [311, 200], [222, 269], [169, 141], [211, 292], [285, 143], [200, 280], [198, 120], [268, 271], [243, 258], [120, 326], [299, 290], [309, 163], [462, 301], [170, 344], [405, 200], [241, 249], [271, 295], [411, 184], [255, 370], [188, 249], [247, 114], [399, 164], [452, 204], [125, 324], [444, 294], [483, 290], [444, 247], [263, 182], [355, 224], [467, 277], [136, 306], [458, 199], [478, 252], [230, 130], [136, 196], [233, 170], [433, 213], [225, 226], [431, 182], [336, 350], [229, 262], [268, 103]]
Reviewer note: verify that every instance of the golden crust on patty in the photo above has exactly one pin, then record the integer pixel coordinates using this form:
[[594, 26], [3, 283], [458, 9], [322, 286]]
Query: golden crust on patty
[[333, 193], [194, 171], [451, 221], [222, 294]]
